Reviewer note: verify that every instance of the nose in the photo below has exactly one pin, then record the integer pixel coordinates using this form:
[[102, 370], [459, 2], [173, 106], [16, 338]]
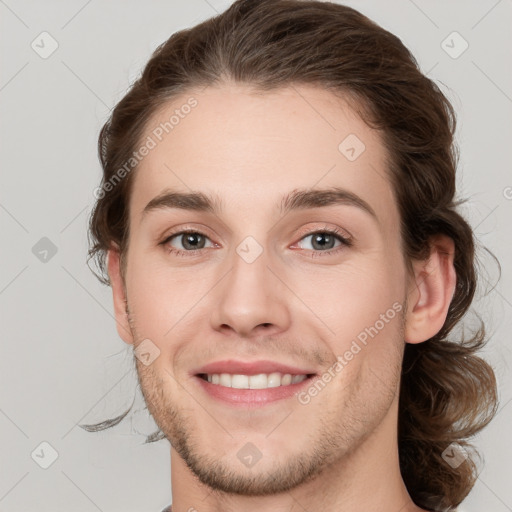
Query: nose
[[251, 299]]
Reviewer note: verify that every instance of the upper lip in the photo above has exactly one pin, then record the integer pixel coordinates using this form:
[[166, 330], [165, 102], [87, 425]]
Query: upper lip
[[250, 368]]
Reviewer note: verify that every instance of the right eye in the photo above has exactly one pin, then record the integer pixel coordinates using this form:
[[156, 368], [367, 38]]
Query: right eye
[[191, 241]]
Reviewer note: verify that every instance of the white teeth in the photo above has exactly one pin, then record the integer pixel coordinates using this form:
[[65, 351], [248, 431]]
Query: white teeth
[[225, 380], [240, 381], [274, 380], [260, 381], [287, 379]]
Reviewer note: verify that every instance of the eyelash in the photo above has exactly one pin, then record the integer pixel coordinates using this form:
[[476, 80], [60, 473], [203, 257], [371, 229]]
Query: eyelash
[[345, 242]]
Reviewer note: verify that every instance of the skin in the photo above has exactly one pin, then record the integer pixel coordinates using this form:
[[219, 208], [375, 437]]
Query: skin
[[339, 451]]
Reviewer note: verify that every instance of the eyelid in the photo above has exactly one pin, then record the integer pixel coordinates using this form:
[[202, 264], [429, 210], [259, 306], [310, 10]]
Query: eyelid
[[200, 229], [343, 233]]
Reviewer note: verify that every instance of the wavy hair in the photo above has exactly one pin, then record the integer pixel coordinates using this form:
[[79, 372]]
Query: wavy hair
[[447, 393]]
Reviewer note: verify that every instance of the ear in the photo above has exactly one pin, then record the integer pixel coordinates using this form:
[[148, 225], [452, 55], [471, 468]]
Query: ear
[[119, 294], [431, 291]]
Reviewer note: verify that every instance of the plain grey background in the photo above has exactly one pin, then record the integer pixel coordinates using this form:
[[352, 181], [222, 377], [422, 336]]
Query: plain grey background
[[62, 362]]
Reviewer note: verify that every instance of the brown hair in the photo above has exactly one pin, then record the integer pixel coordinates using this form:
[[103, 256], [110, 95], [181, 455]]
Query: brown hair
[[447, 392]]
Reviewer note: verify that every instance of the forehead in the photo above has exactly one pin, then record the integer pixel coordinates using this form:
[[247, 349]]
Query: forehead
[[250, 149]]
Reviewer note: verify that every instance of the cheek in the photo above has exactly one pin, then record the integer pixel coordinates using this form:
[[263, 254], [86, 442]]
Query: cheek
[[352, 298], [158, 298]]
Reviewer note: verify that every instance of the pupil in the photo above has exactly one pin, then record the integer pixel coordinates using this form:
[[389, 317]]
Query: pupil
[[317, 240], [191, 238]]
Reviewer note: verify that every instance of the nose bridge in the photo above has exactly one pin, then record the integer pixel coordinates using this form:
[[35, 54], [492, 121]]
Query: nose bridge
[[250, 294]]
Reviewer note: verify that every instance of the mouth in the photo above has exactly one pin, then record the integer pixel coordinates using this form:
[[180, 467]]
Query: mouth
[[258, 381], [252, 391]]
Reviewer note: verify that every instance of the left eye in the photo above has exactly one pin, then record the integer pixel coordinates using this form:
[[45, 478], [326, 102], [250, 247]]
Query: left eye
[[324, 240]]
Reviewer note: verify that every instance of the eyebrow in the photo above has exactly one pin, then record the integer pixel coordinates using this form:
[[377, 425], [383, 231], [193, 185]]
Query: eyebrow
[[298, 199]]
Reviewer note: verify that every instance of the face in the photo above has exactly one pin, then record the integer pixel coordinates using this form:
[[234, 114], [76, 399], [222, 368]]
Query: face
[[273, 279]]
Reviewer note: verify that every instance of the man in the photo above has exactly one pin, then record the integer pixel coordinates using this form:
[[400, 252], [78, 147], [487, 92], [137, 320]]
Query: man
[[278, 224]]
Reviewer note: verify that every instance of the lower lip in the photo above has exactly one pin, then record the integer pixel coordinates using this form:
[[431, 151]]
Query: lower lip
[[252, 397]]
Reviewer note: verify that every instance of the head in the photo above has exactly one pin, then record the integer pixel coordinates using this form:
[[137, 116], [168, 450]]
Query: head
[[313, 166]]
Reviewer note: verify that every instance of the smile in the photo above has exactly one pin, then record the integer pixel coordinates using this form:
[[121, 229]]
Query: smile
[[259, 381]]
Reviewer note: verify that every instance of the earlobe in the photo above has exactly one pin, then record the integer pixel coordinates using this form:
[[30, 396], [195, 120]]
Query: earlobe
[[119, 295], [431, 292]]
